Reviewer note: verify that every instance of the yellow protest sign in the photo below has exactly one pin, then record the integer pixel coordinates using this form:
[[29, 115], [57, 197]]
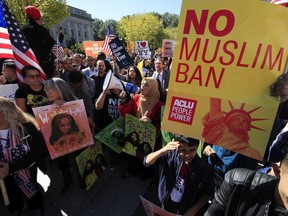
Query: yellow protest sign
[[225, 59]]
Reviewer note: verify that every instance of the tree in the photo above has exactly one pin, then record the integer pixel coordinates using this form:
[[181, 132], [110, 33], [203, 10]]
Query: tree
[[142, 27], [54, 10], [97, 26], [159, 16], [170, 20], [113, 25], [170, 33]]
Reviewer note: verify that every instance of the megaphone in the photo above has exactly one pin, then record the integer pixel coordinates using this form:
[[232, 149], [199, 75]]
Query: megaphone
[[112, 82]]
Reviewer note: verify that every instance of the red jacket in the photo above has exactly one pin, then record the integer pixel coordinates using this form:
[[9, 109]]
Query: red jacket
[[132, 106]]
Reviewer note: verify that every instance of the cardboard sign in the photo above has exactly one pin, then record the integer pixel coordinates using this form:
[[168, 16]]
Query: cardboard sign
[[153, 210], [91, 164], [222, 68], [92, 48], [122, 57], [113, 135], [8, 91], [142, 49], [140, 137], [65, 129], [168, 48], [134, 137]]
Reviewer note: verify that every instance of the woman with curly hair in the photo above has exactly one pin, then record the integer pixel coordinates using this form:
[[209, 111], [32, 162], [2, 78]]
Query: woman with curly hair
[[134, 76], [22, 149]]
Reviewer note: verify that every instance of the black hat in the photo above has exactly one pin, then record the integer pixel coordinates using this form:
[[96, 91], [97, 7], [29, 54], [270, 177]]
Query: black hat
[[186, 140]]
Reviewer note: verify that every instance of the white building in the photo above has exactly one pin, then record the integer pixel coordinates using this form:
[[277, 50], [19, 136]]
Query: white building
[[79, 26]]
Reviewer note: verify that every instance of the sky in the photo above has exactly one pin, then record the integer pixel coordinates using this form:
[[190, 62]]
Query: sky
[[115, 9]]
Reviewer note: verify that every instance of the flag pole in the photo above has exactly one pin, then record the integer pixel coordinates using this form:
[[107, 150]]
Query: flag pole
[[4, 192], [57, 51]]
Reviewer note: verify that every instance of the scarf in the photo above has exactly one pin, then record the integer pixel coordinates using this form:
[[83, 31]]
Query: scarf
[[148, 102], [13, 151]]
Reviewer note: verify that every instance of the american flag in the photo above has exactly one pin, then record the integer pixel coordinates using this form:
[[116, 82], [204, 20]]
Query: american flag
[[108, 37], [280, 2], [58, 51], [14, 44]]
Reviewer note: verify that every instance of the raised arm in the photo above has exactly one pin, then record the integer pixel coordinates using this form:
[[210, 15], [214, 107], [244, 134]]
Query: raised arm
[[153, 157], [99, 104]]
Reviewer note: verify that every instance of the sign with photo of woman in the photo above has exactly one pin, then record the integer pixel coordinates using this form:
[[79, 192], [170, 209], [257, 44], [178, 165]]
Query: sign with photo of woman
[[113, 135], [91, 163], [65, 128], [140, 137]]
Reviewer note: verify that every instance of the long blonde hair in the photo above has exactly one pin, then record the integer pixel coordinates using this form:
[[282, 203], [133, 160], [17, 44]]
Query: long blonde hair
[[148, 102], [15, 117]]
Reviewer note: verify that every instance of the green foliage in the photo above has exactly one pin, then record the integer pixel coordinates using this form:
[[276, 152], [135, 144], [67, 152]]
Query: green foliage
[[99, 28], [113, 25], [170, 33], [142, 27], [54, 10], [170, 20], [97, 25]]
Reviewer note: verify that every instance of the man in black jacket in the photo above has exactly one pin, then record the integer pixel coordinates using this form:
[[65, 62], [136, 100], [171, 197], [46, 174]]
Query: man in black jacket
[[39, 39], [247, 192]]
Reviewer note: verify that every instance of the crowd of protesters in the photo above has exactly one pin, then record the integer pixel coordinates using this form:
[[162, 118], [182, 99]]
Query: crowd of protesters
[[187, 183]]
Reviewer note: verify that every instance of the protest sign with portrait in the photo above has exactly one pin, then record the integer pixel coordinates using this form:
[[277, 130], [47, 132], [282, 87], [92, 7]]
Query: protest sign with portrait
[[113, 135], [65, 128], [91, 164], [140, 137]]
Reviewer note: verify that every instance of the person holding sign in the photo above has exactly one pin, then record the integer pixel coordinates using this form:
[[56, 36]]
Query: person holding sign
[[59, 92], [186, 181], [21, 150], [107, 103], [147, 107]]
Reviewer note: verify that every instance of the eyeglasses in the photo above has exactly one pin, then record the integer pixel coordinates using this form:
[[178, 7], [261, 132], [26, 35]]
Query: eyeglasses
[[34, 76]]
